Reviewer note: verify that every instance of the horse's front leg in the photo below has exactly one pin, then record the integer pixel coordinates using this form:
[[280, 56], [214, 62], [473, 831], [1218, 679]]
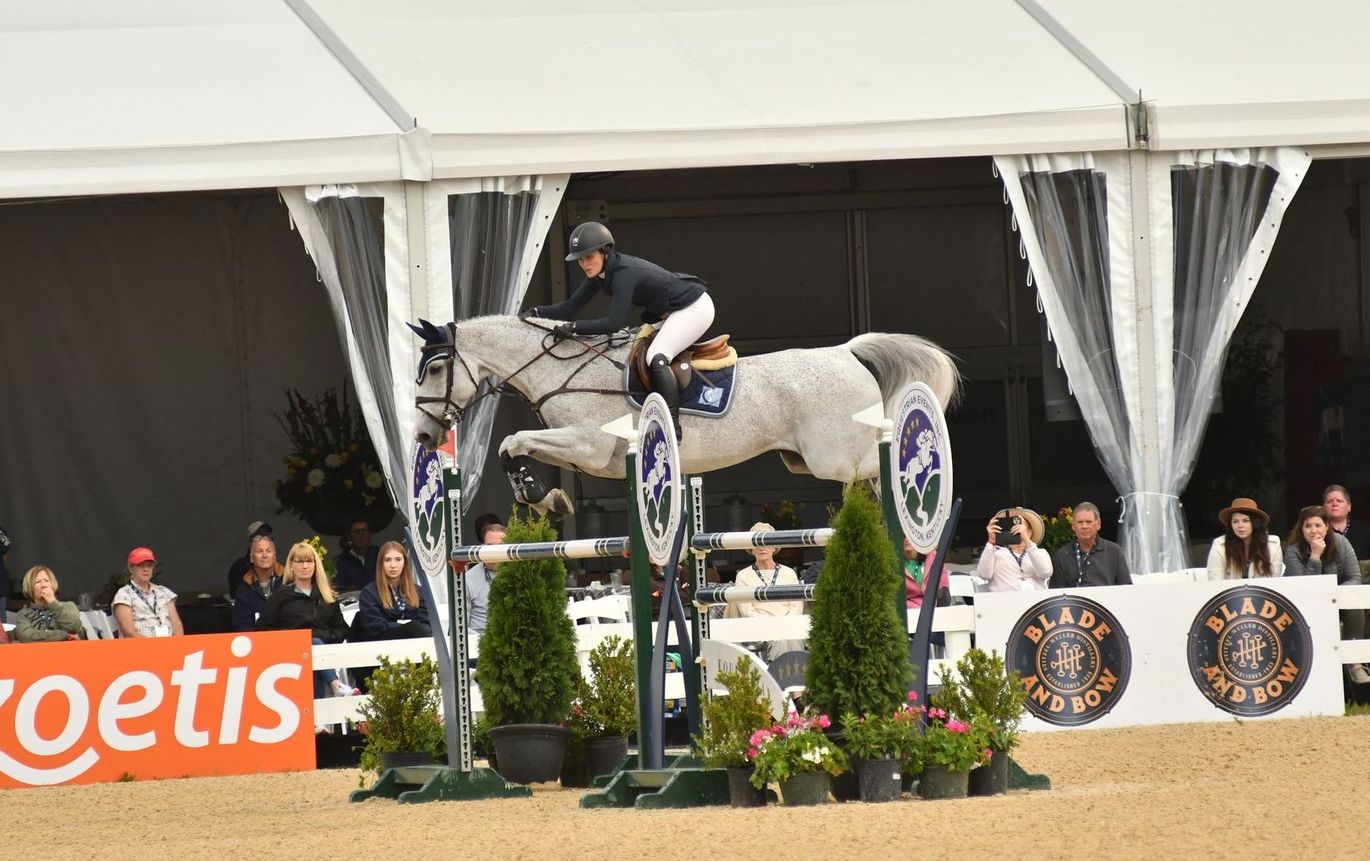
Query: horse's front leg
[[562, 447]]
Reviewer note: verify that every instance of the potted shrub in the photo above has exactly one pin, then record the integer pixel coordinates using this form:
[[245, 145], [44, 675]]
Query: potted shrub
[[575, 770], [951, 748], [610, 704], [403, 722], [983, 690], [730, 721], [880, 745], [528, 670], [858, 646], [799, 756]]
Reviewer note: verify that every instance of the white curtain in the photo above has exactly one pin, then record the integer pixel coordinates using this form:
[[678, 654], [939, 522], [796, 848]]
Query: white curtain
[[1143, 264], [495, 229], [365, 273]]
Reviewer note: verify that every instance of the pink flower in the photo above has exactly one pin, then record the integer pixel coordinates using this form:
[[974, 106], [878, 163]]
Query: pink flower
[[989, 754], [759, 738], [937, 713], [824, 722], [957, 727], [913, 696], [752, 752]]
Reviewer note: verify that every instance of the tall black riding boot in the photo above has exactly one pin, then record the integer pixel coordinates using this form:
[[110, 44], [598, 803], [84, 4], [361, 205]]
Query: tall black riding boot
[[664, 384]]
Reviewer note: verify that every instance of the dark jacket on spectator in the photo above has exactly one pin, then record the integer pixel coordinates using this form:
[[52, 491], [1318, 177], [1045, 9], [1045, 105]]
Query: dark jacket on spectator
[[249, 601], [379, 622], [290, 609], [354, 573]]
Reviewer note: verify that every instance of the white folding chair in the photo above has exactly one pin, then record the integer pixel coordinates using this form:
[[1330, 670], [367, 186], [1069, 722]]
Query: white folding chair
[[91, 633]]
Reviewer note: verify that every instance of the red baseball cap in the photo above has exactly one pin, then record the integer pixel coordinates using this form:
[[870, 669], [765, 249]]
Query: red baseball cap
[[139, 555]]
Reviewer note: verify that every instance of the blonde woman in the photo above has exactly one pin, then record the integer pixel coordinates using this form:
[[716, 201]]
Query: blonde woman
[[391, 607], [305, 601], [45, 619]]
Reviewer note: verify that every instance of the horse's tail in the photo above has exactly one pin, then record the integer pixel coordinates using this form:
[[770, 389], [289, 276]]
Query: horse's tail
[[895, 360]]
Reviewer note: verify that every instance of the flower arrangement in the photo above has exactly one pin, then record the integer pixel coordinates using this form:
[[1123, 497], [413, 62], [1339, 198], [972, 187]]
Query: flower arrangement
[[783, 515], [731, 720], [895, 736], [983, 688], [952, 743], [1057, 531], [796, 746], [330, 566], [332, 461]]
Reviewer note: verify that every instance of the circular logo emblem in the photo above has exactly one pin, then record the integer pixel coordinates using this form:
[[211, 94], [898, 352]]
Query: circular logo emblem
[[660, 490], [428, 510], [1249, 650], [922, 467], [1074, 658]]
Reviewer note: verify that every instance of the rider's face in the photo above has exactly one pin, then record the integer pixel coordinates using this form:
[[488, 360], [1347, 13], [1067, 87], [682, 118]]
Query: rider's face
[[592, 264]]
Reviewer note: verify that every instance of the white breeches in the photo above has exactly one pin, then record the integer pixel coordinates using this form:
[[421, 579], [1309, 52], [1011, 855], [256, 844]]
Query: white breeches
[[682, 328]]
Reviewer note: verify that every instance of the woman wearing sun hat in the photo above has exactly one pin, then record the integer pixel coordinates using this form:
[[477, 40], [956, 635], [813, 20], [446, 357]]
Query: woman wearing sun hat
[[1245, 549], [1020, 565]]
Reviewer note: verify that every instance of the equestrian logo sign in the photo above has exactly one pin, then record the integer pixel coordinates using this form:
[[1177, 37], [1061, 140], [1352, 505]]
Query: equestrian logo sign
[[1074, 658], [660, 489], [428, 509], [922, 467], [1250, 651]]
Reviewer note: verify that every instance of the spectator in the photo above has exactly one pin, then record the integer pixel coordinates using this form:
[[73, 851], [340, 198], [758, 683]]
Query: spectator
[[484, 522], [143, 608], [391, 606], [1089, 560], [264, 576], [1336, 501], [1244, 550], [1011, 560], [765, 571], [45, 619], [1313, 547], [915, 566], [357, 564], [244, 562], [478, 577], [305, 601]]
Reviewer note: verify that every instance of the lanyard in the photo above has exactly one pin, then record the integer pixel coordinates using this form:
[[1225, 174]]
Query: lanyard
[[775, 575], [1082, 562], [149, 598], [1016, 557], [398, 599]]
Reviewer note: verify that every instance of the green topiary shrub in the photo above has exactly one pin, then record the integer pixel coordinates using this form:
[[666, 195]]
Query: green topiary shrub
[[402, 715], [527, 671], [858, 648], [610, 698]]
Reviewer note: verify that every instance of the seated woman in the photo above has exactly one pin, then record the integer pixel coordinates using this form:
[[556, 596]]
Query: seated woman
[[1244, 550], [1012, 562], [765, 571], [305, 601], [915, 566], [391, 606], [1314, 547], [143, 608], [45, 619], [263, 577]]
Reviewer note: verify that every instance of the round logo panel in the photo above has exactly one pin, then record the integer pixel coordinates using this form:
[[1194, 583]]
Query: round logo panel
[[660, 489], [1250, 650], [1074, 658], [922, 467], [428, 510]]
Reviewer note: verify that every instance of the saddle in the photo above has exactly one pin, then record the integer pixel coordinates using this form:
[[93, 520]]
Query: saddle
[[715, 354]]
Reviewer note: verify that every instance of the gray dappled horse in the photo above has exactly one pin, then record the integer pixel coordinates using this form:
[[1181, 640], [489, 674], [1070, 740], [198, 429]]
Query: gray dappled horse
[[797, 402]]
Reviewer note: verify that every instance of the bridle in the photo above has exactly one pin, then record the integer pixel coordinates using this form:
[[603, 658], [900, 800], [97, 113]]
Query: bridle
[[446, 354]]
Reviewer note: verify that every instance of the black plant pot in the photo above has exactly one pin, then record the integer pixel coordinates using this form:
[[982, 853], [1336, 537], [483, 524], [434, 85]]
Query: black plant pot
[[880, 780], [605, 753], [992, 778], [845, 786], [529, 752], [574, 774], [405, 758], [740, 790]]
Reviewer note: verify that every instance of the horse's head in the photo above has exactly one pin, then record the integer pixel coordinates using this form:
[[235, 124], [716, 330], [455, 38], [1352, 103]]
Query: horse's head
[[446, 384]]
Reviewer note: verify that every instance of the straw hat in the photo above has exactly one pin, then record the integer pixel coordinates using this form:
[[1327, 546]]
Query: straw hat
[[1034, 521], [1245, 505]]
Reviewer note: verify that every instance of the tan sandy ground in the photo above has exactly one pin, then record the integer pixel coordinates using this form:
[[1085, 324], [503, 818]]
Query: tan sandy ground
[[1276, 789]]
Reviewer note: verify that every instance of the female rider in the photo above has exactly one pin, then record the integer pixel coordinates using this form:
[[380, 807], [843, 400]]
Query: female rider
[[679, 302]]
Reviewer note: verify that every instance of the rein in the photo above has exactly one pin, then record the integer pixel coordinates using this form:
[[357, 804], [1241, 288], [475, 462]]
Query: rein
[[447, 354]]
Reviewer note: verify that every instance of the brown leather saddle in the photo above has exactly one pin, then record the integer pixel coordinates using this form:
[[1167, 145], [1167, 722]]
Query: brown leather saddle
[[711, 355]]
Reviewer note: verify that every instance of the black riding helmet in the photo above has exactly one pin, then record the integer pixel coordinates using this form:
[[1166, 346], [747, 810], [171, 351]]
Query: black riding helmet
[[587, 237]]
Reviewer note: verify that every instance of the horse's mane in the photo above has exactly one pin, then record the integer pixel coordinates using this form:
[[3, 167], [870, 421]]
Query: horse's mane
[[895, 360]]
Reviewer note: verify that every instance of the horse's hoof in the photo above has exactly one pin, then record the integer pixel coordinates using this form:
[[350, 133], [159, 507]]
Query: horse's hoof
[[558, 504]]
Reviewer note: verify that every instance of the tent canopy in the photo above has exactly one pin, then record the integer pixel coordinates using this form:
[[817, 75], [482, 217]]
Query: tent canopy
[[165, 96]]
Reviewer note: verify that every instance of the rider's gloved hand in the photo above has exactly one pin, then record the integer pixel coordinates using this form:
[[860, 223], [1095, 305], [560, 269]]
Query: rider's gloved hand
[[564, 331]]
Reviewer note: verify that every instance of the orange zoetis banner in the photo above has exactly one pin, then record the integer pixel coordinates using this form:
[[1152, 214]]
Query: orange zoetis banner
[[104, 710]]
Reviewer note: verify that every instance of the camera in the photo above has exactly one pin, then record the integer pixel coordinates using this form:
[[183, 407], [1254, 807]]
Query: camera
[[1006, 537]]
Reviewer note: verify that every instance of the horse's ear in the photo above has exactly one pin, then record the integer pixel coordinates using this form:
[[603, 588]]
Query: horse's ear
[[419, 330]]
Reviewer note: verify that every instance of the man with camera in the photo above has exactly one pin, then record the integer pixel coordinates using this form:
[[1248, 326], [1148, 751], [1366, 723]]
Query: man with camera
[[1011, 560], [1089, 560]]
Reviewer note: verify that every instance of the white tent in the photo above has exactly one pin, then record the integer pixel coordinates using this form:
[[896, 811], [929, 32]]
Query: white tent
[[155, 96]]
